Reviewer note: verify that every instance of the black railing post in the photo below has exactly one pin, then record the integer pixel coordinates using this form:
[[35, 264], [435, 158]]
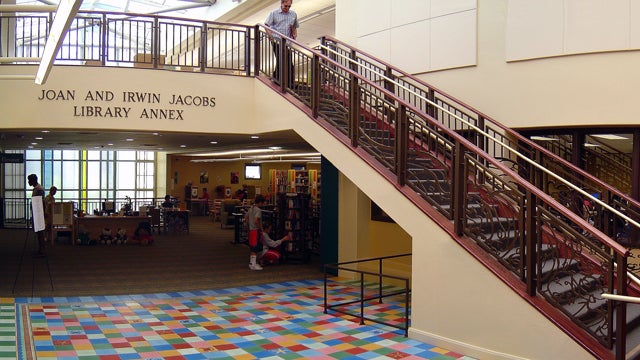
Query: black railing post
[[281, 63], [621, 306], [315, 85], [203, 46], [406, 307], [326, 294], [380, 281], [529, 231], [258, 47], [480, 138], [354, 110], [388, 80], [402, 145], [247, 51], [459, 192], [104, 28], [431, 109], [155, 42], [361, 298], [323, 43]]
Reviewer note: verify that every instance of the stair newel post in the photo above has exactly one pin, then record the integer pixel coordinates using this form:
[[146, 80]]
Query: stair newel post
[[459, 192], [620, 306], [402, 145], [354, 110], [315, 85], [530, 230]]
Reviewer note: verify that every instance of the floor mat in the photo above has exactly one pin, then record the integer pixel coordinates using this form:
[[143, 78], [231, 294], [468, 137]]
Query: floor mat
[[275, 321]]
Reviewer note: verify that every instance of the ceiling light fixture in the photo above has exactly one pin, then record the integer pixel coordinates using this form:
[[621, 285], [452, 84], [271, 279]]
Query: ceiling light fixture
[[610, 137], [543, 138], [287, 155], [235, 152]]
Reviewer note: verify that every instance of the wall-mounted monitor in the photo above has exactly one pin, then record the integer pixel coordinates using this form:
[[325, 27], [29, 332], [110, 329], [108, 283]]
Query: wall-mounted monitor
[[252, 171]]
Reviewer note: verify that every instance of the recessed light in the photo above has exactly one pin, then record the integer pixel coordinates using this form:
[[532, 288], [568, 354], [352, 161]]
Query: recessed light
[[213, 142], [39, 138], [610, 137], [45, 131], [110, 144], [255, 137], [543, 138], [34, 143], [30, 147], [129, 139], [155, 134], [183, 146]]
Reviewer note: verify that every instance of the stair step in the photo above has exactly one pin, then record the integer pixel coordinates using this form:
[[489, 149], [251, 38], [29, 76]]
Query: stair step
[[567, 288], [490, 225], [557, 266]]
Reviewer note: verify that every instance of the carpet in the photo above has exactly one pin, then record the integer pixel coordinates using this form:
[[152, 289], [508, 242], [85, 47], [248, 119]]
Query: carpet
[[275, 321], [205, 258]]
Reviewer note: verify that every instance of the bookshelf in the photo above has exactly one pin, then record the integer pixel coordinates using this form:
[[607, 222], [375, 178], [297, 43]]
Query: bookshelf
[[294, 215]]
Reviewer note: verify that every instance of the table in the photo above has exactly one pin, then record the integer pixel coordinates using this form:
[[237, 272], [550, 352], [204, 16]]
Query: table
[[93, 225], [199, 207]]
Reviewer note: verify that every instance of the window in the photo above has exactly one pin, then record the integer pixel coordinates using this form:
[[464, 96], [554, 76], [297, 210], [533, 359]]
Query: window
[[87, 177], [252, 171]]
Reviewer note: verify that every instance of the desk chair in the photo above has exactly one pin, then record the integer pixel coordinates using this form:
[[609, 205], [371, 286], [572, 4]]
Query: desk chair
[[215, 206], [157, 221]]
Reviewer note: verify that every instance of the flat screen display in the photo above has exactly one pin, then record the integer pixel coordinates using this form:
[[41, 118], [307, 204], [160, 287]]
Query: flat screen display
[[252, 171]]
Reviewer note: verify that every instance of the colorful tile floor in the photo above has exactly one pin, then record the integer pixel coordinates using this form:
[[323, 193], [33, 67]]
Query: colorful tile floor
[[274, 321]]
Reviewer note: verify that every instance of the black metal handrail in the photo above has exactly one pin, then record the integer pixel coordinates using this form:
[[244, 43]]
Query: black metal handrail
[[365, 297], [499, 140]]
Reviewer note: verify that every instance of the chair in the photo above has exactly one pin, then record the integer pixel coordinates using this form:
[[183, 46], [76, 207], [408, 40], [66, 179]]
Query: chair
[[157, 221], [227, 210], [215, 206]]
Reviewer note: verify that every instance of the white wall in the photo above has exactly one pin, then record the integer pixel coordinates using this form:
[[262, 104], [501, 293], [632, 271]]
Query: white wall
[[415, 35], [595, 89], [552, 28]]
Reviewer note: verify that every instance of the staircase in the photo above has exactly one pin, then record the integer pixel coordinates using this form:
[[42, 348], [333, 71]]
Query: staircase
[[456, 160]]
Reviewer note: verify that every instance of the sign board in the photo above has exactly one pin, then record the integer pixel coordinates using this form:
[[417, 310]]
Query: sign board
[[62, 213], [11, 158]]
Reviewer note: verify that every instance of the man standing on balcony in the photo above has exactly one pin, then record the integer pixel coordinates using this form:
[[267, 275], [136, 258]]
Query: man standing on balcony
[[284, 21]]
